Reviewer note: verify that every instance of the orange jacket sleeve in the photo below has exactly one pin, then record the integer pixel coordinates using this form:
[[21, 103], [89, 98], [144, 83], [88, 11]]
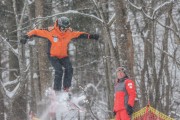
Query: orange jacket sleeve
[[39, 33], [131, 90]]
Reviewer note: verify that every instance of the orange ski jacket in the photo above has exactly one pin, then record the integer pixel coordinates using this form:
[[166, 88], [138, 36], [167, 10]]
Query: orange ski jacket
[[59, 40]]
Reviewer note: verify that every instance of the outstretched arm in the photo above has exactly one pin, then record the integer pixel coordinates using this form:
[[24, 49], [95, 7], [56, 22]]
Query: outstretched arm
[[36, 32], [39, 33], [77, 34]]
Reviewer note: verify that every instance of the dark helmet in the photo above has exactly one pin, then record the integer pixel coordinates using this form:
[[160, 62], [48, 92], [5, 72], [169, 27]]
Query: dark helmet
[[63, 22]]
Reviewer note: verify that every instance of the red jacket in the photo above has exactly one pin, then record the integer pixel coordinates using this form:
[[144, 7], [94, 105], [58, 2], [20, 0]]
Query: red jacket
[[59, 40], [125, 94]]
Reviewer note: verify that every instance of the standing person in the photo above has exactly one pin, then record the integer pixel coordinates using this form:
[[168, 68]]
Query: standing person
[[59, 36], [125, 94]]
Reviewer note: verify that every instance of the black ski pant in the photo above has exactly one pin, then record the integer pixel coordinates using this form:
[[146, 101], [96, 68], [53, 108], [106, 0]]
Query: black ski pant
[[58, 65]]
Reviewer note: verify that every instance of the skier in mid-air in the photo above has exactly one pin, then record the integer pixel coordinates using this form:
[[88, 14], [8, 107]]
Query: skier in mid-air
[[59, 36]]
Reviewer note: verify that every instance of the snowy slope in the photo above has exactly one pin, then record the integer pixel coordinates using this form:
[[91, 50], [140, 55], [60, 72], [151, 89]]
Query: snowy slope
[[62, 107]]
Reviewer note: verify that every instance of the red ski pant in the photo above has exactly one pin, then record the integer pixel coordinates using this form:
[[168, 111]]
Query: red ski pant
[[122, 115]]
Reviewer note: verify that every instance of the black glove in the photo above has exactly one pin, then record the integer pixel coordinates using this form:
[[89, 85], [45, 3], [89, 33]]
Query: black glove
[[24, 39], [114, 113], [129, 110], [94, 36]]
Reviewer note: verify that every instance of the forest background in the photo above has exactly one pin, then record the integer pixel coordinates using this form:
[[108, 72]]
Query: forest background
[[141, 35]]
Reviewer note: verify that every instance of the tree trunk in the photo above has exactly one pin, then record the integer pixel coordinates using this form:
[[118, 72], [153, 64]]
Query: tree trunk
[[120, 31], [19, 106], [1, 95], [124, 37], [130, 52], [13, 60], [166, 69], [42, 53], [2, 108], [9, 111], [19, 102]]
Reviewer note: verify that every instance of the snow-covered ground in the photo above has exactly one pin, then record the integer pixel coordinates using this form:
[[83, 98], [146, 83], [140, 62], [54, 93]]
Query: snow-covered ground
[[62, 106]]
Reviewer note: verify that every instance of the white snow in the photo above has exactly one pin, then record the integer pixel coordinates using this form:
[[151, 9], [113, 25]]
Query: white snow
[[10, 94], [11, 82], [63, 108]]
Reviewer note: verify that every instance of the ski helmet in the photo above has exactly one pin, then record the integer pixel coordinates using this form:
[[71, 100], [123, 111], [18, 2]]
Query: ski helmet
[[63, 22]]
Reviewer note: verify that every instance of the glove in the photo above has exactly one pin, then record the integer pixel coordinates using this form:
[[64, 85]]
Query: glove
[[94, 36], [114, 113], [129, 110], [24, 39]]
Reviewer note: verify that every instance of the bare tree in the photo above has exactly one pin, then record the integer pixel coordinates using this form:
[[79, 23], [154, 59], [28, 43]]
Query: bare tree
[[142, 35], [1, 95], [10, 96], [123, 43], [42, 53], [155, 84]]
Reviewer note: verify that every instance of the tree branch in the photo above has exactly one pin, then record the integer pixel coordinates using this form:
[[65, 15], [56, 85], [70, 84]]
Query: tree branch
[[11, 48], [111, 21], [152, 17]]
